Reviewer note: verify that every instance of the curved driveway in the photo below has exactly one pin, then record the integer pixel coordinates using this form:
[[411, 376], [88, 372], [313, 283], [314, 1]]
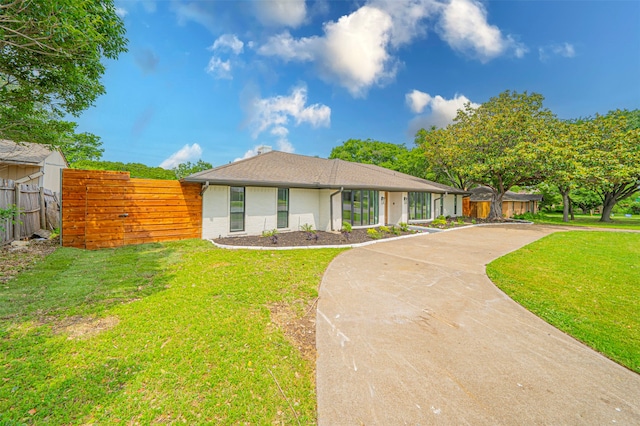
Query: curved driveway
[[413, 332]]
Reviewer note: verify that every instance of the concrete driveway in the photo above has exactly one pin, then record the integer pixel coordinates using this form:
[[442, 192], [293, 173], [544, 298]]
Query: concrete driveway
[[413, 332]]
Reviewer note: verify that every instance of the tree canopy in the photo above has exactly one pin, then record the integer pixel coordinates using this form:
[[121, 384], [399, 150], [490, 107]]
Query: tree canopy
[[189, 168], [384, 154], [500, 144], [51, 63], [136, 170]]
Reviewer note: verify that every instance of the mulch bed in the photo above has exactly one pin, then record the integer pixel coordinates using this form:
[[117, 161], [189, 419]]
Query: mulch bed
[[302, 239]]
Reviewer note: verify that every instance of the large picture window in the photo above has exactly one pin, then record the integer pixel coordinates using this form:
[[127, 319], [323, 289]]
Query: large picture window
[[236, 212], [283, 207], [419, 206], [360, 207]]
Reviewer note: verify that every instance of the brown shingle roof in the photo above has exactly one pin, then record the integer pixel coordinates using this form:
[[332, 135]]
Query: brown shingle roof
[[22, 153], [277, 168]]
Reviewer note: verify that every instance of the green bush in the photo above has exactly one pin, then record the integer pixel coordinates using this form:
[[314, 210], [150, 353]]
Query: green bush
[[373, 233], [439, 221], [346, 227], [8, 213], [385, 229], [404, 226]]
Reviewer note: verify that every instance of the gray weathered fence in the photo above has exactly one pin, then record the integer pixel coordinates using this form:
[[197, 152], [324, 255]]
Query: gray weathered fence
[[39, 209]]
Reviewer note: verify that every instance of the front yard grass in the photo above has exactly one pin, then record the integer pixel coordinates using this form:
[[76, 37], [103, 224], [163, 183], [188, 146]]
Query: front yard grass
[[584, 283], [618, 221], [158, 333]]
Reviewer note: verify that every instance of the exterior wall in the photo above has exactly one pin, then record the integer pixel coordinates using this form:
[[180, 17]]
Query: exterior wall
[[304, 208], [52, 166], [260, 210], [215, 212], [18, 171]]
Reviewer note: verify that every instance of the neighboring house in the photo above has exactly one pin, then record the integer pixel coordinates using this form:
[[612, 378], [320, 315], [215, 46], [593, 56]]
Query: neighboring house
[[32, 163], [513, 203], [276, 190]]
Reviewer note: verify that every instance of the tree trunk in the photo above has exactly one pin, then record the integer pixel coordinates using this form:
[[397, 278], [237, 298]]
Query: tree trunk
[[571, 209], [607, 207], [495, 212], [565, 205]]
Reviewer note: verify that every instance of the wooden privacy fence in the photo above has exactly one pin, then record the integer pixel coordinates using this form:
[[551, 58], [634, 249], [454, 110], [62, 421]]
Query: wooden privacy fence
[[110, 209], [38, 207]]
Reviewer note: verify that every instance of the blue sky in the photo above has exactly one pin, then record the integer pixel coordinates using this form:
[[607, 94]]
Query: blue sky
[[214, 79]]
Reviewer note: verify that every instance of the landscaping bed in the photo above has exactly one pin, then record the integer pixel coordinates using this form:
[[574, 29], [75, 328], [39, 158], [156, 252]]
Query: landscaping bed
[[304, 239]]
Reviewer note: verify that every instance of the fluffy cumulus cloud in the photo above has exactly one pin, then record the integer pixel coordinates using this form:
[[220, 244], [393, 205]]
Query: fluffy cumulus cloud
[[281, 13], [200, 12], [352, 52], [274, 116], [186, 153], [357, 51], [441, 111], [464, 26], [226, 43], [566, 50], [229, 43]]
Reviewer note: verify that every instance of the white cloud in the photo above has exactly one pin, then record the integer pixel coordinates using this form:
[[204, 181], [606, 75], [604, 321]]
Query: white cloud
[[352, 53], [199, 12], [442, 111], [566, 50], [417, 100], [408, 17], [274, 115], [121, 12], [186, 153], [219, 69], [463, 25], [286, 13], [228, 42]]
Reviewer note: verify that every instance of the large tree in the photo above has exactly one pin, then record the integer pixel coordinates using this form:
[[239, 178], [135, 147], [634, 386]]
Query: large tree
[[51, 62], [612, 157], [384, 154], [500, 144], [189, 168]]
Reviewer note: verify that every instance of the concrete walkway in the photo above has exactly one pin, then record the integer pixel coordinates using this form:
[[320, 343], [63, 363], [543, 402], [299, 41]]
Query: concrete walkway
[[413, 332]]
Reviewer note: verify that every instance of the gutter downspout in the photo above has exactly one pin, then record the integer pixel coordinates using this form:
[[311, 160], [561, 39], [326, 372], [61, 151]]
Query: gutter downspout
[[331, 205], [204, 188]]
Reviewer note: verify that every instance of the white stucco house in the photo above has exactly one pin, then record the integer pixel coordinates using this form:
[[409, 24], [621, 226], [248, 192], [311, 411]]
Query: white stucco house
[[32, 163], [282, 191]]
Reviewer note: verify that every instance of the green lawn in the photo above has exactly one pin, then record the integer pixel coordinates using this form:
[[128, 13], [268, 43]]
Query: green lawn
[[584, 283], [617, 221], [185, 335]]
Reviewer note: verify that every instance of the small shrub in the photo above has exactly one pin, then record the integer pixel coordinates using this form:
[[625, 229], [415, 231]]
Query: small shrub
[[385, 229], [404, 226], [346, 229], [373, 234], [460, 220], [440, 222], [311, 233], [272, 235], [473, 221], [8, 213], [396, 231]]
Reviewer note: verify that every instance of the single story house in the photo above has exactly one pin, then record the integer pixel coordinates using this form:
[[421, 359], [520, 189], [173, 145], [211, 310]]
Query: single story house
[[32, 163], [513, 203], [282, 191]]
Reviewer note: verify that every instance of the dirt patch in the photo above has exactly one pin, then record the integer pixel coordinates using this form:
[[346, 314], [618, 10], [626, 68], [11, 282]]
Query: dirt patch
[[84, 327], [16, 259], [303, 239], [299, 330]]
